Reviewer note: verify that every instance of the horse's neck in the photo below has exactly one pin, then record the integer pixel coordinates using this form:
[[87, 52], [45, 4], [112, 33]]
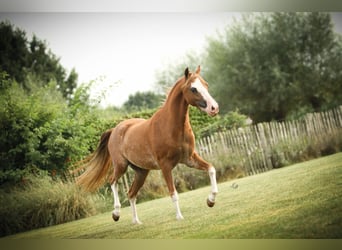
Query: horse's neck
[[176, 110]]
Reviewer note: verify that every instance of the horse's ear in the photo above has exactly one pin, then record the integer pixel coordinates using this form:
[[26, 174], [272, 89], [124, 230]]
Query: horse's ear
[[198, 70], [186, 73]]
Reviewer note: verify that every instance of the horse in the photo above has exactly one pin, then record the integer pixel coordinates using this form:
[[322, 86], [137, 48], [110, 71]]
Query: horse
[[157, 143]]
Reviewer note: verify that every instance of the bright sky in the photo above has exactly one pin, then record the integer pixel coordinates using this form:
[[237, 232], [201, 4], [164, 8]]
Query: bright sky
[[123, 49]]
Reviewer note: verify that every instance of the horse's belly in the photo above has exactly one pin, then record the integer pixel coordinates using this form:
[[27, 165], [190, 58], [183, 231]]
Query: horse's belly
[[143, 159], [139, 154]]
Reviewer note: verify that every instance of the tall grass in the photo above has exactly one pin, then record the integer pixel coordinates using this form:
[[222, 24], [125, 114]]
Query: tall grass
[[44, 202]]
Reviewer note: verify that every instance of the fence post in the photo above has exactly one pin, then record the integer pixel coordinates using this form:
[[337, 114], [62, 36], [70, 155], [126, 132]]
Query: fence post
[[265, 146]]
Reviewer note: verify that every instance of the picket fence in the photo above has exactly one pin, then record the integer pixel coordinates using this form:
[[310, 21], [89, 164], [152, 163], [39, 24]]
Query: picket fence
[[264, 146]]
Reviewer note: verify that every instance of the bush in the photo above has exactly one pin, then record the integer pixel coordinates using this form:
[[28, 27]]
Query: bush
[[232, 119], [40, 129], [21, 116]]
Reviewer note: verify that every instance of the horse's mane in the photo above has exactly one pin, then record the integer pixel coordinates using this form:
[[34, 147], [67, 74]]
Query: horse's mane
[[169, 89]]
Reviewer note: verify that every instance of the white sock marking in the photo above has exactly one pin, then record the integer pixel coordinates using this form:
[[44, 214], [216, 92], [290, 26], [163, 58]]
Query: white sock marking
[[214, 188], [134, 211], [175, 199], [117, 204]]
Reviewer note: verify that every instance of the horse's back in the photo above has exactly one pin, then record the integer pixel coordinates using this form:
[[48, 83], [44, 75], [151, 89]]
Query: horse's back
[[120, 131]]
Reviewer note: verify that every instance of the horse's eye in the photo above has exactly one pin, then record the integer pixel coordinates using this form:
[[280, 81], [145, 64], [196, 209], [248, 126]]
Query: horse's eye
[[193, 90]]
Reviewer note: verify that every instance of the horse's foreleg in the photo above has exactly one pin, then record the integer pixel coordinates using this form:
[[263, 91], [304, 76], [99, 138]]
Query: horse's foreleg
[[133, 205], [173, 192], [197, 162], [214, 189], [175, 199]]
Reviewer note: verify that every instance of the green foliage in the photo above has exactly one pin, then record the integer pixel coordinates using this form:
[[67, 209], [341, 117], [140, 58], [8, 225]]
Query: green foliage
[[204, 125], [13, 50], [271, 65], [40, 129], [21, 58], [10, 176], [143, 100], [20, 116]]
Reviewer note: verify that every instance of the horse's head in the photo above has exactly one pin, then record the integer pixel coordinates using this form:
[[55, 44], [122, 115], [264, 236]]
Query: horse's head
[[195, 92]]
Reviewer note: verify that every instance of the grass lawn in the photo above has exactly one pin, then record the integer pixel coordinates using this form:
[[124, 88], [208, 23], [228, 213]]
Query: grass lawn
[[300, 201]]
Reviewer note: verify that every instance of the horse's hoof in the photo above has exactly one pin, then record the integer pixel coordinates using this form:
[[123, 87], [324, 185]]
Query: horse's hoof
[[179, 217], [115, 217], [136, 222], [210, 203]]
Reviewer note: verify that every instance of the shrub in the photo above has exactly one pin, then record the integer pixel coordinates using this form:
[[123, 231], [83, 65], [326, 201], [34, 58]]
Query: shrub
[[20, 117], [40, 129], [204, 125]]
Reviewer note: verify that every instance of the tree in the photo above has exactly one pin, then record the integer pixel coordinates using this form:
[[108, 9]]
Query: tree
[[143, 100], [275, 65], [13, 51], [21, 58], [165, 78]]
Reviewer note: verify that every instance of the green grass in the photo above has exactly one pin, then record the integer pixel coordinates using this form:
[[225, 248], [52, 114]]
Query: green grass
[[300, 201]]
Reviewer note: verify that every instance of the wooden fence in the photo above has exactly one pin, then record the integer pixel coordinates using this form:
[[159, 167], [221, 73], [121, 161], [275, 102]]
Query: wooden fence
[[264, 146]]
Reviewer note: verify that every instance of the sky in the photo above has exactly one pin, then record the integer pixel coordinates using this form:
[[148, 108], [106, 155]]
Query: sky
[[122, 51]]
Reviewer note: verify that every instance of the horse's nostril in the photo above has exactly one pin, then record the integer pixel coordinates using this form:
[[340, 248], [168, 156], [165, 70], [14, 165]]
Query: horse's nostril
[[202, 104]]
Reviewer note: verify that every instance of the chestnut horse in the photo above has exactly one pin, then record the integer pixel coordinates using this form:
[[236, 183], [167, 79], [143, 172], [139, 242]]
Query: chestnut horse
[[156, 143]]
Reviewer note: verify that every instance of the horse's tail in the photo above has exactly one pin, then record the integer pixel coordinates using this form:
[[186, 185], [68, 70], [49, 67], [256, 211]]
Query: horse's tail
[[97, 165]]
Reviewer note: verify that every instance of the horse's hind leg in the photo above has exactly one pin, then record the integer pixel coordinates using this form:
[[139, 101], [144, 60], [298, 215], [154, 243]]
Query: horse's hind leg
[[139, 179], [119, 170]]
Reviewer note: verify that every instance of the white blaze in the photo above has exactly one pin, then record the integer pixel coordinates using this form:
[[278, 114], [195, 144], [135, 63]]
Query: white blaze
[[211, 103]]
